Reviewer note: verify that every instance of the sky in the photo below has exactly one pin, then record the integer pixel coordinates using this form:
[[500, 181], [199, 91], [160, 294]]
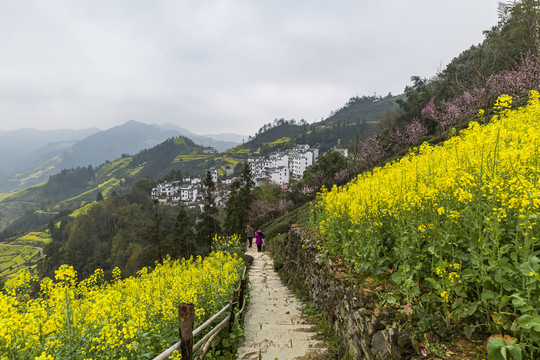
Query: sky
[[218, 66]]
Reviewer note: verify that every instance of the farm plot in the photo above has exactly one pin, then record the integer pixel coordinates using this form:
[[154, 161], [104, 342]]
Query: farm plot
[[14, 258]]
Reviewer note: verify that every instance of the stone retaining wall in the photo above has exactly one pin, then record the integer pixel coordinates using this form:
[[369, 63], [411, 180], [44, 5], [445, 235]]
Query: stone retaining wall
[[368, 331]]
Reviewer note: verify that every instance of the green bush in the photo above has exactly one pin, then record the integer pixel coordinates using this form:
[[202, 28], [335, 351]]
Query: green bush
[[248, 259]]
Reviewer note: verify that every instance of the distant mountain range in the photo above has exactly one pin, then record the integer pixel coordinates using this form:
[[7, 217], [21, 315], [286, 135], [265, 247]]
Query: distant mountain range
[[30, 156]]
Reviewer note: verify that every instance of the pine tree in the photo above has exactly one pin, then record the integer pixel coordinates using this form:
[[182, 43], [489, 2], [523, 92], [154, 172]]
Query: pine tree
[[180, 242], [208, 224], [240, 199]]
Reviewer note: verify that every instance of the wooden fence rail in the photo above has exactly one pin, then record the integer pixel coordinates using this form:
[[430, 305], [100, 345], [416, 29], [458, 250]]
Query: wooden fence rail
[[186, 317]]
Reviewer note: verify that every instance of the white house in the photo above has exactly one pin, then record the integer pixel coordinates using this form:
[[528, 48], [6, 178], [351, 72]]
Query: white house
[[342, 151], [279, 175], [300, 158], [209, 150], [188, 193], [165, 189], [256, 165], [214, 174]]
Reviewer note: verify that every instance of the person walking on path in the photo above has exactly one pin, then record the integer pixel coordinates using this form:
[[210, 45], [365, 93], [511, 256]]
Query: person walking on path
[[249, 234], [259, 240]]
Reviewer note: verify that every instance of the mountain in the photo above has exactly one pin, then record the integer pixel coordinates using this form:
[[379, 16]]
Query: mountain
[[25, 148], [220, 142], [229, 137], [128, 138], [36, 158], [31, 156], [31, 139]]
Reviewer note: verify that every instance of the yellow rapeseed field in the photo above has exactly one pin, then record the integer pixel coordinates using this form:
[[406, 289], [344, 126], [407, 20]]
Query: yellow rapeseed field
[[486, 173], [131, 318], [456, 225]]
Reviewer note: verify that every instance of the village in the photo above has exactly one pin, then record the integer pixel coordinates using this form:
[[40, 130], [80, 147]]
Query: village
[[280, 167]]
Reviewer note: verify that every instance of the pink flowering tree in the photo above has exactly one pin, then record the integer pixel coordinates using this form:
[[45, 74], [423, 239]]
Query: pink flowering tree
[[262, 210], [448, 113], [369, 152], [408, 135]]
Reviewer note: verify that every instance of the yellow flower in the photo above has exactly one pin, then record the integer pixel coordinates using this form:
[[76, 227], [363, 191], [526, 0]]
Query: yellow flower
[[445, 296]]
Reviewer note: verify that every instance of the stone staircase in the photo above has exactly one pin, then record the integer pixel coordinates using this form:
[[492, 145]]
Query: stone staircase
[[275, 328]]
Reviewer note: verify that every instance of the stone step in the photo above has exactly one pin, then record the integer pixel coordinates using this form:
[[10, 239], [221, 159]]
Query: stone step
[[274, 325], [273, 353]]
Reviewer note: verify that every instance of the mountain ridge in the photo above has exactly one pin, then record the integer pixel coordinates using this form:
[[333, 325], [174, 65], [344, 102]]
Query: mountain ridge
[[32, 155]]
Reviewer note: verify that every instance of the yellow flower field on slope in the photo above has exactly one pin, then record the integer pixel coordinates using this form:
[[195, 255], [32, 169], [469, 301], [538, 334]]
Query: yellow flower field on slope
[[133, 318], [456, 225], [497, 163]]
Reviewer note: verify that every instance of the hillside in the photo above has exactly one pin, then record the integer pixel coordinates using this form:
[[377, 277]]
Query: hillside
[[71, 189], [436, 243], [356, 120], [442, 230]]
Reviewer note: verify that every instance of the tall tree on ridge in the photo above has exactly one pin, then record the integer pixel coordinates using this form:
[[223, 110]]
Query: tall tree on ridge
[[180, 241], [208, 224], [240, 199]]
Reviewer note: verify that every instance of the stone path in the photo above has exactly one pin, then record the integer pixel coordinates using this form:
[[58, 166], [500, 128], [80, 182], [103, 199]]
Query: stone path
[[275, 327]]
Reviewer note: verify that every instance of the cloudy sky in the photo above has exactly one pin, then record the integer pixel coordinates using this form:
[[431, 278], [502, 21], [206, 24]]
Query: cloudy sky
[[216, 66]]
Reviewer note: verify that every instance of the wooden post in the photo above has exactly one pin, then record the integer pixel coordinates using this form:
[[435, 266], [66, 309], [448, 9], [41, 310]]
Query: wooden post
[[242, 289], [233, 305], [186, 318]]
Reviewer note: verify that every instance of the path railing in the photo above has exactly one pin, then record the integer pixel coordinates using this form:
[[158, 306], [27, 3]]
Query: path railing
[[186, 318]]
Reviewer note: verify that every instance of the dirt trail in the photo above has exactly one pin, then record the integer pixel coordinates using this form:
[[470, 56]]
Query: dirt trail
[[275, 327]]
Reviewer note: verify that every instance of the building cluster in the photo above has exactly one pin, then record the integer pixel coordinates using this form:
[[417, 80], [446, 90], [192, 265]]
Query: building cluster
[[282, 166], [190, 191], [175, 192]]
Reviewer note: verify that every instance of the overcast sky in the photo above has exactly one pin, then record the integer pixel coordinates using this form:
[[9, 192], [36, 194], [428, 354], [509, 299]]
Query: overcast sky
[[216, 66]]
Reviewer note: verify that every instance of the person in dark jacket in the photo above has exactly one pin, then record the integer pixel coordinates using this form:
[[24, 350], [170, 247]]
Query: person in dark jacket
[[259, 240], [249, 234]]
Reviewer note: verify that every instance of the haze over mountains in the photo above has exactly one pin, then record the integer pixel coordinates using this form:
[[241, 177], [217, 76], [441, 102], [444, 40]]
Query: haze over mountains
[[30, 156]]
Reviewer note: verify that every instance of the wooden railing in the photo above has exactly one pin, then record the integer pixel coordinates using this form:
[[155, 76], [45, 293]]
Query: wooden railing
[[186, 317]]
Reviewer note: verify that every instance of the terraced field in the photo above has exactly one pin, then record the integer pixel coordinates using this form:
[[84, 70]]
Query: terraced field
[[34, 239], [13, 258]]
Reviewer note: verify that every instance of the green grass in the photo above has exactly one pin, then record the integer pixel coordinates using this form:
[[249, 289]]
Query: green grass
[[135, 171], [5, 196], [280, 225], [34, 175], [113, 167]]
